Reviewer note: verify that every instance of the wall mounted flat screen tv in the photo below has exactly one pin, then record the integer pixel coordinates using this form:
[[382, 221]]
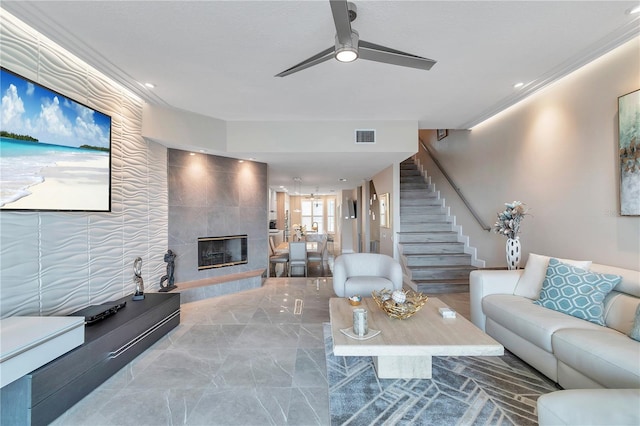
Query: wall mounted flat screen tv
[[55, 153]]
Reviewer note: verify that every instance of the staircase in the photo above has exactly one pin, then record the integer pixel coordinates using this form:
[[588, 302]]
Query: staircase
[[431, 254]]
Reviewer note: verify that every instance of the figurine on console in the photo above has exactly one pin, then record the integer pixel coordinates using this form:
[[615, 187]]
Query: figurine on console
[[137, 279], [170, 258]]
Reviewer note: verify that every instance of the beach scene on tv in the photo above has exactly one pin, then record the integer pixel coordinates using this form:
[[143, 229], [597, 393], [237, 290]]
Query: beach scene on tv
[[54, 152]]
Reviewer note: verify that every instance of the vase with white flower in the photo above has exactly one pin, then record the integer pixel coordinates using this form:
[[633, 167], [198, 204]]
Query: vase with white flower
[[299, 231], [508, 224]]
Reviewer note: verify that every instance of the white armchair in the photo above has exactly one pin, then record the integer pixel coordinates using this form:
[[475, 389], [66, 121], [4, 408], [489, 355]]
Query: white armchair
[[361, 273]]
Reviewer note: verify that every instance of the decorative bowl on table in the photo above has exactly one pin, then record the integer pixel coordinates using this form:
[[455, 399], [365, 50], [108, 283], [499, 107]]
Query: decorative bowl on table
[[355, 300], [399, 304]]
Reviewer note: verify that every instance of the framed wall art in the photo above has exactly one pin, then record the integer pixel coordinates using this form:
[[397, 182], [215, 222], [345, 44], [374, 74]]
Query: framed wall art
[[55, 152], [629, 151]]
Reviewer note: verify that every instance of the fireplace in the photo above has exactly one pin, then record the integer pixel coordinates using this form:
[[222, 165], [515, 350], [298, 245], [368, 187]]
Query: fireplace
[[216, 252]]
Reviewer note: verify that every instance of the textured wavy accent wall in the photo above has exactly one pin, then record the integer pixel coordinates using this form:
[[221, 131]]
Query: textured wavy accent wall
[[55, 263]]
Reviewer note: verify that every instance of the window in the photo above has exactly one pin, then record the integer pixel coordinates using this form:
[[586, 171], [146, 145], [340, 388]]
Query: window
[[331, 215], [312, 212]]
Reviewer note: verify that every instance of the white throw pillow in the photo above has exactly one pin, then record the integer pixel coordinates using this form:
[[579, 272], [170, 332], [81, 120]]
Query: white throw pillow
[[530, 282]]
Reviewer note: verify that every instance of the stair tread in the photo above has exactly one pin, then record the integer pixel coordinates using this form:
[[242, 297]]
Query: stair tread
[[451, 243], [427, 232], [433, 249], [443, 281], [432, 254], [443, 267], [444, 288], [426, 214], [438, 254], [434, 219], [437, 223]]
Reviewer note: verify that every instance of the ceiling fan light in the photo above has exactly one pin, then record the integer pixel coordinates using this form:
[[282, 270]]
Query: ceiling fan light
[[346, 54], [348, 51]]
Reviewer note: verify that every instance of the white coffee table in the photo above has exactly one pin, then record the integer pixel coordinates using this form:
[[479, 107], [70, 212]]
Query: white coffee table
[[404, 348]]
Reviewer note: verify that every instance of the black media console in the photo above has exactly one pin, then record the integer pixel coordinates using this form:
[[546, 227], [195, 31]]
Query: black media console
[[41, 396]]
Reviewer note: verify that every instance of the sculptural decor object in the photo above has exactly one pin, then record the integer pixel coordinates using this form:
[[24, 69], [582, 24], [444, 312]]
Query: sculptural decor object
[[399, 304], [170, 258], [137, 279]]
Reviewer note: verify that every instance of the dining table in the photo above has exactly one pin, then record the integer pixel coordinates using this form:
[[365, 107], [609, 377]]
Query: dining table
[[283, 247]]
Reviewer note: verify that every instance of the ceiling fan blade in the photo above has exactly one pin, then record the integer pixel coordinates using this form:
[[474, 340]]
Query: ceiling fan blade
[[340, 12], [314, 60], [375, 52]]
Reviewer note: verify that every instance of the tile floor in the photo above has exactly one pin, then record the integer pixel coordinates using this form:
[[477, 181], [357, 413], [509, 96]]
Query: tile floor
[[253, 358]]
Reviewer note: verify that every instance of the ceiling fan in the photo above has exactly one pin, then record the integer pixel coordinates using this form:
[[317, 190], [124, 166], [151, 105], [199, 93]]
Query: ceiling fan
[[349, 47], [312, 196]]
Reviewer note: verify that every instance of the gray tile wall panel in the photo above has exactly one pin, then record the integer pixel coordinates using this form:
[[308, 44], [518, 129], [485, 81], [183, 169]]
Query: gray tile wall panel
[[213, 196]]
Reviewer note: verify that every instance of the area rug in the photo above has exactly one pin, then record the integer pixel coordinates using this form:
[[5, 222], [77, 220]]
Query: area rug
[[463, 391]]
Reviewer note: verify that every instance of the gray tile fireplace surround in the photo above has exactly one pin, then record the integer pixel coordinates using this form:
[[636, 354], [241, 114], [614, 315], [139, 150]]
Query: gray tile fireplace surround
[[212, 196], [249, 358]]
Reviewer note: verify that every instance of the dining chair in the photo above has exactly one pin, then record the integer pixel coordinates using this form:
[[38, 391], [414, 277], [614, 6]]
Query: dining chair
[[277, 258], [319, 254], [298, 256], [274, 249]]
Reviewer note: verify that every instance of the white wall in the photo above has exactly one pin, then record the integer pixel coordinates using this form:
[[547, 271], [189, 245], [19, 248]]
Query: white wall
[[330, 136], [383, 182], [557, 152], [183, 130], [348, 227], [56, 263]]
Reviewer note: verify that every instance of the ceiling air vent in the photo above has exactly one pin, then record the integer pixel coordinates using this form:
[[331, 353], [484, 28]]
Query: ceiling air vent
[[365, 136]]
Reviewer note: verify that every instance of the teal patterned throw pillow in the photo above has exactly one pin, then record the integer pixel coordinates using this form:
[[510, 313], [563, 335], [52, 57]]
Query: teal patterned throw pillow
[[575, 291], [635, 330]]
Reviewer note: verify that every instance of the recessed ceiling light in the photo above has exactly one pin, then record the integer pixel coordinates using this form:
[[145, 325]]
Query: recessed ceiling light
[[240, 161], [634, 10], [343, 179], [203, 151], [149, 85], [192, 153], [518, 85]]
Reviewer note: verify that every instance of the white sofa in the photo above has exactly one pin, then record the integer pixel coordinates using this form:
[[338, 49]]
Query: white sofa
[[582, 407], [575, 353], [361, 273]]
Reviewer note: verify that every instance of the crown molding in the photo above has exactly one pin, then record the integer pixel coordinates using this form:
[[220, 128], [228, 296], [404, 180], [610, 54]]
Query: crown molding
[[591, 53], [31, 15]]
